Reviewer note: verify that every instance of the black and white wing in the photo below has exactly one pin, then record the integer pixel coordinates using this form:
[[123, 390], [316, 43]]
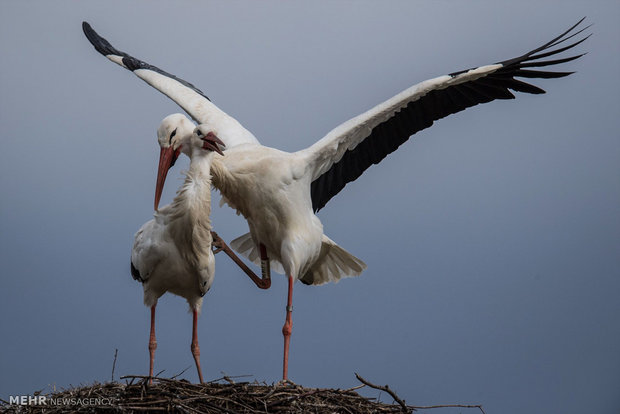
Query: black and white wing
[[349, 149], [186, 95]]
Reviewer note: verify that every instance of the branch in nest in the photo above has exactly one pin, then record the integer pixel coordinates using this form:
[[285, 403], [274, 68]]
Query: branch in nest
[[410, 408], [180, 373], [386, 389], [114, 363], [428, 407]]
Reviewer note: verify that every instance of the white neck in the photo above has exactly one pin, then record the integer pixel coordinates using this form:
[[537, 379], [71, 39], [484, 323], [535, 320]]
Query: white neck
[[190, 225], [200, 161]]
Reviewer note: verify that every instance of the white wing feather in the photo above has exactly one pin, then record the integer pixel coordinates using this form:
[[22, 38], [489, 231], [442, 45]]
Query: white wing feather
[[201, 109], [345, 137], [181, 92]]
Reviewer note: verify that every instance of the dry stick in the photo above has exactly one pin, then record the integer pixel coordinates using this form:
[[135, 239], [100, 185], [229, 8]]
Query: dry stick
[[114, 363], [427, 407], [292, 398], [386, 389], [150, 402], [212, 406], [229, 378], [417, 407], [357, 387], [180, 373], [147, 377]]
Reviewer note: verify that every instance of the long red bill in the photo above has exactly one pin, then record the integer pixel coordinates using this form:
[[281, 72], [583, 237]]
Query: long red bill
[[167, 157]]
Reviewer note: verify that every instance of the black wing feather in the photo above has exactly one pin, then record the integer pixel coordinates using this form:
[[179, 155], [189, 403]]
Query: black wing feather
[[105, 48], [135, 273], [420, 114]]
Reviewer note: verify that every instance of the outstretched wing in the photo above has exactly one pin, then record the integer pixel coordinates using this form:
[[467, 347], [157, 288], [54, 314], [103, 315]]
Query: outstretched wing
[[349, 149], [186, 95]]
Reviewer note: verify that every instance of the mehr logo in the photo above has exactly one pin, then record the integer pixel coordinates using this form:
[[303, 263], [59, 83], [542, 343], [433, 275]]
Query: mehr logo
[[59, 401], [28, 399]]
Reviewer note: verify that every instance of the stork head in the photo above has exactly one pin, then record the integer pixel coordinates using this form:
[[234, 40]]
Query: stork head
[[206, 138], [173, 136]]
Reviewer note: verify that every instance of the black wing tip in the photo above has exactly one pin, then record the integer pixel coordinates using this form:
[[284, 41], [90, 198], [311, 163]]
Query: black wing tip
[[135, 273], [89, 32], [129, 62], [101, 45], [534, 54], [105, 48]]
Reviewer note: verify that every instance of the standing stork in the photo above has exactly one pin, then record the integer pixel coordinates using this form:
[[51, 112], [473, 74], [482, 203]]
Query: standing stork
[[279, 192], [172, 252]]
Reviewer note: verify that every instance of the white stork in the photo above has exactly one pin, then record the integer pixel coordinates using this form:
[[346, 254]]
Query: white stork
[[280, 192], [172, 252]]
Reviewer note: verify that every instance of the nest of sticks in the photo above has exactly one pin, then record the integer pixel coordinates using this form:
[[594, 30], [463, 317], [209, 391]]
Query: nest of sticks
[[167, 395]]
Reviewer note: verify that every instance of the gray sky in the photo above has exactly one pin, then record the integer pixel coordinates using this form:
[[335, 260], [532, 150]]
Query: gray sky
[[491, 239]]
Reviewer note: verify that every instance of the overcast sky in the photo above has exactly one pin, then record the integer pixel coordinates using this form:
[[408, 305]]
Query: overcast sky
[[492, 239]]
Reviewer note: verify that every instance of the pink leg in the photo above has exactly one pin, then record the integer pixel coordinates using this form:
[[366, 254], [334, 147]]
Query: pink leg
[[152, 344], [287, 329], [219, 245], [194, 347]]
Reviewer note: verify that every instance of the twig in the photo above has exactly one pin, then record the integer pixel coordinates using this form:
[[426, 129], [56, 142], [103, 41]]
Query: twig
[[188, 409], [357, 387], [151, 402], [114, 363], [155, 377], [180, 373], [228, 378], [385, 388], [428, 407], [407, 408], [292, 398]]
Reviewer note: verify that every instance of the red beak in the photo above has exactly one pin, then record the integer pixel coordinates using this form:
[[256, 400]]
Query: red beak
[[167, 158], [211, 142]]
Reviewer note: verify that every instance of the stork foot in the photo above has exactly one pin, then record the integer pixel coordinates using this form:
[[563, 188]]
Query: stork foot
[[284, 383]]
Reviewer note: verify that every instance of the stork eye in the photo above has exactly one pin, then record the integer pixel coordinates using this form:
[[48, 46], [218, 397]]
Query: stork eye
[[172, 135]]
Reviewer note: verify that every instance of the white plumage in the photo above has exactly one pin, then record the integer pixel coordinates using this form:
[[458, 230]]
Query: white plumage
[[279, 192], [172, 252]]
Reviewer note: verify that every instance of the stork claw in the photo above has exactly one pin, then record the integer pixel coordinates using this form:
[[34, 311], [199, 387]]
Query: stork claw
[[284, 382]]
